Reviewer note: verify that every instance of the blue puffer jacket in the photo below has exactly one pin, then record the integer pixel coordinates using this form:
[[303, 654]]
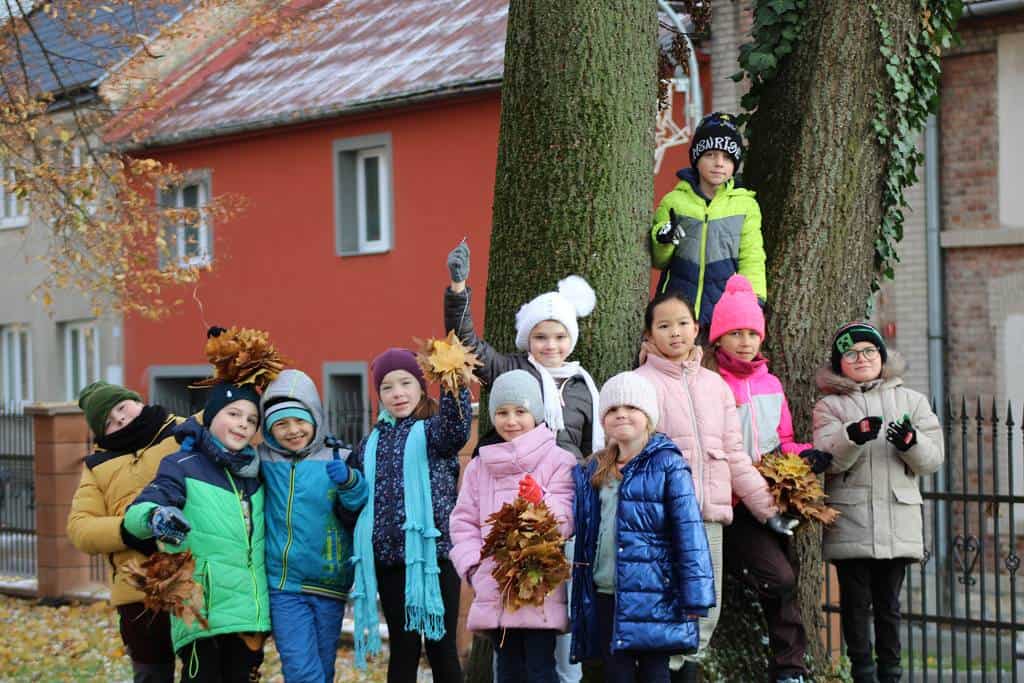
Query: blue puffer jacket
[[663, 572]]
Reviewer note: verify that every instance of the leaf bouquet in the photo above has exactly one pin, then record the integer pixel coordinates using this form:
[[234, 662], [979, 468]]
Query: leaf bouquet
[[528, 552], [796, 488], [447, 362], [167, 585]]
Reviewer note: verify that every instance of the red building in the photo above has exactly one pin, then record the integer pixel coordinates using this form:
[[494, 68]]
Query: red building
[[365, 141]]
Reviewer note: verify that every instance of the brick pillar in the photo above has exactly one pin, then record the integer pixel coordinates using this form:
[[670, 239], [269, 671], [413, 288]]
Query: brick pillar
[[61, 442]]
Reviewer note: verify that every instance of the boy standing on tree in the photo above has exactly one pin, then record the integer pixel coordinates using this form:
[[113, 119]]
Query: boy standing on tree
[[708, 228]]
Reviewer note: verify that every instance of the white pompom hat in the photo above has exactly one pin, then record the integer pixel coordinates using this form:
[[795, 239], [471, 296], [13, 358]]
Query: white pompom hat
[[574, 299]]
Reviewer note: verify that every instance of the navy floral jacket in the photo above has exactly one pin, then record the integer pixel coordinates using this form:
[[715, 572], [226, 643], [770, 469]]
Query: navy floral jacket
[[446, 433]]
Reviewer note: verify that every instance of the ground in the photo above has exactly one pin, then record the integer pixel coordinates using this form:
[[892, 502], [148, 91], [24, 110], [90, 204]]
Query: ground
[[81, 643]]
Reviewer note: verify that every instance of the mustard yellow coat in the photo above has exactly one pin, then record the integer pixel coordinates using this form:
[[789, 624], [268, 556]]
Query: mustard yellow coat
[[110, 482]]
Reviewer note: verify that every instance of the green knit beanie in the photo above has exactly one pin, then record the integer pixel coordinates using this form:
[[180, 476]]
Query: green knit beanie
[[98, 399]]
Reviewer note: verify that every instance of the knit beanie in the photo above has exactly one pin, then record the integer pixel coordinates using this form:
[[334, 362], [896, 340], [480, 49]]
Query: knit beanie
[[517, 388], [396, 359], [629, 389], [717, 131], [574, 299], [223, 393], [737, 309], [98, 399], [275, 412], [851, 333]]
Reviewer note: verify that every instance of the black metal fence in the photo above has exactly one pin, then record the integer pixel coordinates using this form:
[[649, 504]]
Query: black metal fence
[[961, 602], [17, 496]]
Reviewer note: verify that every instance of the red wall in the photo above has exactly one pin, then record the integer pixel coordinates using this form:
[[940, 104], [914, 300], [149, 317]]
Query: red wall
[[275, 265]]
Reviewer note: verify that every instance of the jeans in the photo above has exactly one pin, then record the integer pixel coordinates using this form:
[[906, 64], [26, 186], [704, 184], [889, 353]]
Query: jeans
[[626, 667], [525, 655], [405, 645], [306, 629]]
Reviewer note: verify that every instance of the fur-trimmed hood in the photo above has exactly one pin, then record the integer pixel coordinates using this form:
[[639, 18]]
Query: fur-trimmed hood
[[829, 382]]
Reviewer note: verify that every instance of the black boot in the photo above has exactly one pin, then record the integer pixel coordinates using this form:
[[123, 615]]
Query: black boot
[[889, 673], [688, 673]]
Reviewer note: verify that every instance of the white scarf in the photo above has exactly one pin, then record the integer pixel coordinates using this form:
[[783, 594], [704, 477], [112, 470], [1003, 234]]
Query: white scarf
[[553, 399]]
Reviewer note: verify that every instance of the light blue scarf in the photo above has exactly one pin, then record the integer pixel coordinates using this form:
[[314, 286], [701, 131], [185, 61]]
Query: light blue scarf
[[424, 609]]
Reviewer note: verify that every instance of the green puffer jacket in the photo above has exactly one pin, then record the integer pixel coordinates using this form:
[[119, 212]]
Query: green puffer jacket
[[225, 509], [721, 238]]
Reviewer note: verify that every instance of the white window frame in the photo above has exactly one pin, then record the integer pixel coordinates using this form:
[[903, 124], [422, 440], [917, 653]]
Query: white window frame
[[350, 156], [83, 329], [19, 218], [10, 338], [205, 242]]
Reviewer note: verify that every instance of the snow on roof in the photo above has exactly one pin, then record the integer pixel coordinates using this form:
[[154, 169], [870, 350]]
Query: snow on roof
[[346, 55]]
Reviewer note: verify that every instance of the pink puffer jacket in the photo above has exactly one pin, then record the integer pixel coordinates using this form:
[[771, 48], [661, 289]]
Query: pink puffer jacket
[[491, 480], [698, 412]]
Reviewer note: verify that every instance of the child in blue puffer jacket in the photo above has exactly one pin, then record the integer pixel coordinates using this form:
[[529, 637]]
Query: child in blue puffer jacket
[[308, 550], [642, 572]]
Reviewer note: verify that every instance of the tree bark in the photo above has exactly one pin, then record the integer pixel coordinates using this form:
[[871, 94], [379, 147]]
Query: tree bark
[[574, 177], [818, 171]]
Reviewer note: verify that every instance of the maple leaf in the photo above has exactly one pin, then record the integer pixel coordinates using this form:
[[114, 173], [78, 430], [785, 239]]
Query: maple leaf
[[167, 584], [795, 487], [242, 356], [528, 552], [448, 362]]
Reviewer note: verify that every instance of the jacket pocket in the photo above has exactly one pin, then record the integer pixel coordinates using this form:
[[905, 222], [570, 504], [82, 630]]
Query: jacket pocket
[[854, 507], [906, 517], [717, 478]]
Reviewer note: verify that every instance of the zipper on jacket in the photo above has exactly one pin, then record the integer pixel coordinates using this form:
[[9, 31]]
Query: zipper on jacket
[[248, 543], [703, 259], [288, 526], [696, 437], [755, 453]]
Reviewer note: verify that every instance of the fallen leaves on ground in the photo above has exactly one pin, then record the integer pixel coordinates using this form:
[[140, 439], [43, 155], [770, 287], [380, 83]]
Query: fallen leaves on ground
[[81, 642], [796, 488]]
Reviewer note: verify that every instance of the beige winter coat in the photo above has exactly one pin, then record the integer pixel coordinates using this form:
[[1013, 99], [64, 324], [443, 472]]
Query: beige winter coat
[[875, 487]]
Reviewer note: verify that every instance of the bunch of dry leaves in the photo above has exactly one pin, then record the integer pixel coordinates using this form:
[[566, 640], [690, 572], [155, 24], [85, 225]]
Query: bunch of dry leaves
[[242, 356], [447, 362], [796, 488], [527, 548], [167, 585]]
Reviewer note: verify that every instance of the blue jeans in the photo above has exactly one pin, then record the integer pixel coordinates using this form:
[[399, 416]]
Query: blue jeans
[[626, 667], [306, 629], [525, 655]]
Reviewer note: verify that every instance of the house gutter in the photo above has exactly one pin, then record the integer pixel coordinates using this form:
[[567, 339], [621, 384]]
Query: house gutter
[[988, 8], [694, 97], [311, 115]]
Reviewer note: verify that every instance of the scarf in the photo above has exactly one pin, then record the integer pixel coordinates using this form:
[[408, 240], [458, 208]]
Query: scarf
[[140, 433], [553, 399], [424, 609], [738, 366]]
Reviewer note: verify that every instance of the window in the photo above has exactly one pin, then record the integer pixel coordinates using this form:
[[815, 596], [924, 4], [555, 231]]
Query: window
[[15, 366], [81, 357], [363, 207], [187, 242], [345, 390], [171, 387], [13, 209]]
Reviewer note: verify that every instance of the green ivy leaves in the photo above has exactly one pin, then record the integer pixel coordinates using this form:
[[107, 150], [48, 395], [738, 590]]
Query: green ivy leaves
[[777, 26]]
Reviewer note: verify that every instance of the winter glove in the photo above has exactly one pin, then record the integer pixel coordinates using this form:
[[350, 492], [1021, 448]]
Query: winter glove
[[782, 525], [169, 524], [338, 472], [817, 460], [901, 435], [530, 490], [458, 262], [671, 232], [864, 430]]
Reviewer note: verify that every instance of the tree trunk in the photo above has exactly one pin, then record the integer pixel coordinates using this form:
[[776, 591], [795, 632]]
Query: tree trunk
[[574, 177], [819, 172]]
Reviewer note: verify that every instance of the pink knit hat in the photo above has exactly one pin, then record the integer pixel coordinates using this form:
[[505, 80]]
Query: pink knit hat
[[738, 309]]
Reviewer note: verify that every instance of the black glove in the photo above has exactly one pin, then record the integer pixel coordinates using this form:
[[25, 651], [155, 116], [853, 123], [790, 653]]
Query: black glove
[[458, 262], [817, 460], [901, 435], [864, 429], [671, 232]]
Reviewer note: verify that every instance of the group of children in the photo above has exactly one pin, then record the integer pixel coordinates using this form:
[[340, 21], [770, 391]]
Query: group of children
[[652, 478]]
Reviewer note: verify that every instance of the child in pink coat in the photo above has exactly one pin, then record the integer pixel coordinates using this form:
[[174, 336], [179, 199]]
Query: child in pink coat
[[754, 554], [698, 412], [529, 464]]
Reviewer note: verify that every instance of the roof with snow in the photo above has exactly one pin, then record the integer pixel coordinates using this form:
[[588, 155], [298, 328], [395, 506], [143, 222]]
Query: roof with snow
[[346, 56]]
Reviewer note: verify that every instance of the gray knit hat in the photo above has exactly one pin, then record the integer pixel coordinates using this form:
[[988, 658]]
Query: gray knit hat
[[517, 388], [629, 389]]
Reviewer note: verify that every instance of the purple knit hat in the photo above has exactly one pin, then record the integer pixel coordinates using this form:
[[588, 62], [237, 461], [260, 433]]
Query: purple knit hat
[[396, 359]]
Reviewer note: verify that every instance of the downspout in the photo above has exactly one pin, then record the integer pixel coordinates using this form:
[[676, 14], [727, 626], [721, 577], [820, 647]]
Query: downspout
[[694, 96], [987, 8]]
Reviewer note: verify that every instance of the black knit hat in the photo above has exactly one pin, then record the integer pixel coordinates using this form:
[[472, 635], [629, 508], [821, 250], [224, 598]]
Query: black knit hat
[[851, 333], [223, 393], [717, 131]]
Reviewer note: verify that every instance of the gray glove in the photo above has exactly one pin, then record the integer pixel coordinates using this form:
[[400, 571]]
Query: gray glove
[[458, 262], [169, 524], [782, 525]]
